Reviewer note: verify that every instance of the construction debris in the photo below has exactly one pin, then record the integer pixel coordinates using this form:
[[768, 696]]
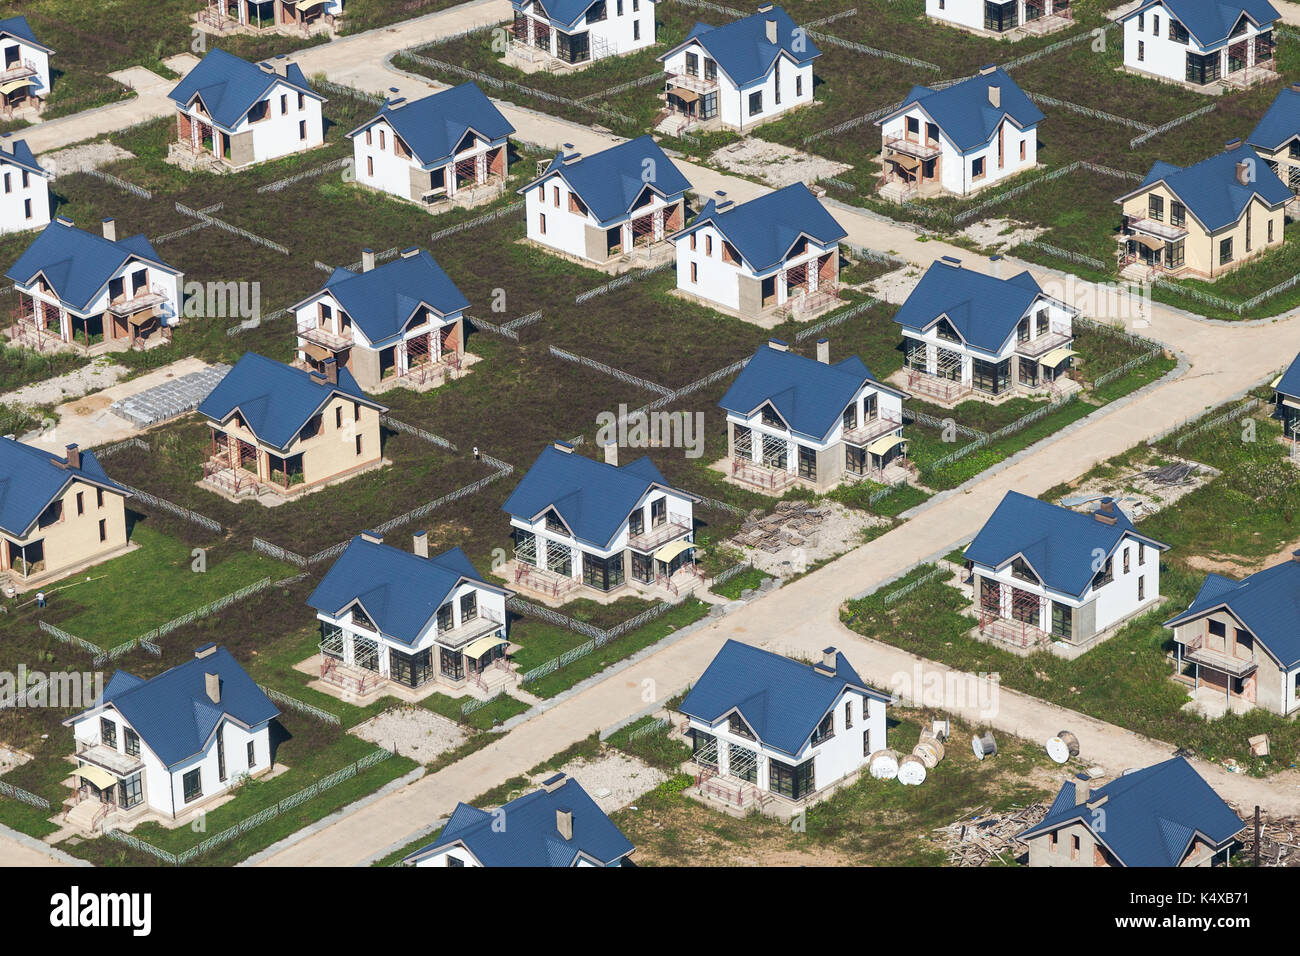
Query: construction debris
[[797, 534], [1175, 474], [1279, 839], [985, 837]]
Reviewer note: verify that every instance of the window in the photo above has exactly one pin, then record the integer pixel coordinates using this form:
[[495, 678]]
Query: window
[[99, 497], [807, 463], [1142, 553], [51, 515], [1062, 619], [755, 103], [468, 606], [692, 242], [636, 29], [604, 574], [744, 443], [770, 418], [848, 715], [192, 785], [81, 502], [381, 140], [710, 69], [658, 512], [618, 9], [708, 245], [8, 183], [1177, 214], [794, 783], [1248, 211], [1024, 149], [1142, 19], [1142, 51], [1175, 254], [825, 730], [1217, 628], [131, 790], [451, 664], [370, 165], [913, 128], [302, 130], [302, 100], [368, 138], [1177, 32], [695, 273], [704, 748], [866, 743], [252, 755], [1051, 842], [597, 12], [221, 753], [776, 82], [260, 111], [798, 86], [555, 196], [1270, 230], [543, 223], [1074, 847], [103, 530], [358, 443], [107, 733], [1202, 69], [636, 5], [1105, 575], [692, 64], [131, 742], [1156, 207], [1142, 589], [1225, 251], [977, 168], [850, 417], [1155, 26], [736, 724], [27, 209], [284, 104], [1126, 561]]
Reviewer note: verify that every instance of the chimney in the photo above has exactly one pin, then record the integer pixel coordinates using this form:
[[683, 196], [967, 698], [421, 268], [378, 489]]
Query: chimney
[[331, 371], [213, 684], [564, 446], [778, 345], [564, 823], [771, 29], [367, 259], [951, 261], [206, 650], [827, 664], [1231, 144], [1082, 791], [411, 252], [373, 537], [824, 351], [987, 68], [110, 229], [611, 453], [554, 782], [1105, 513], [74, 456], [997, 266], [995, 96], [420, 544], [1245, 172], [63, 220], [1295, 555], [6, 146]]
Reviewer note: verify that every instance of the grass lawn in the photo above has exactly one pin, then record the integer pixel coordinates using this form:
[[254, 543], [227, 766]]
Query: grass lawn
[[498, 711], [746, 580]]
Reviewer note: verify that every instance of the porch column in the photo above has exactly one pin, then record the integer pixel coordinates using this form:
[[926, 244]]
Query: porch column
[[931, 359], [349, 650], [449, 179], [481, 168]]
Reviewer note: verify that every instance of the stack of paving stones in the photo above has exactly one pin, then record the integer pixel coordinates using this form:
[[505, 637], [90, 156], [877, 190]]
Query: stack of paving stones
[[792, 525], [170, 399]]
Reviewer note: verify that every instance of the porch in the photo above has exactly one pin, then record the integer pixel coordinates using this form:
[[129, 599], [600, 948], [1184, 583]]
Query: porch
[[108, 788], [303, 18], [770, 479], [536, 46], [46, 327]]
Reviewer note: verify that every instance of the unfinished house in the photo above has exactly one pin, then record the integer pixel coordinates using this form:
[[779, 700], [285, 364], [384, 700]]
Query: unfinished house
[[1165, 815], [1009, 19], [25, 199], [958, 140], [231, 113], [795, 420], [1276, 138], [767, 260], [970, 335], [558, 825], [738, 75], [304, 18], [24, 68], [450, 147], [1286, 399], [1205, 45], [617, 206], [1237, 647], [777, 735], [163, 748], [74, 289], [600, 530], [58, 515], [399, 621], [278, 431], [1202, 220], [1044, 574], [400, 323], [561, 35]]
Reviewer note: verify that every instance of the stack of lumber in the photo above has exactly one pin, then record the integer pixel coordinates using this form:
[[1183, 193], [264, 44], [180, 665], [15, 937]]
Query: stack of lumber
[[986, 837]]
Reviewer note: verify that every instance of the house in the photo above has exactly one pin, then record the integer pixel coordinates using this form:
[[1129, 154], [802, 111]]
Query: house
[[570, 34], [98, 292], [1286, 397], [25, 69], [960, 139], [1044, 573], [771, 257], [599, 526], [795, 420], [1202, 220], [281, 430], [1237, 646], [1011, 18], [612, 205], [171, 744], [1203, 44], [58, 515], [231, 113], [739, 75], [303, 18], [558, 825], [25, 200], [452, 146], [1276, 138], [398, 323], [777, 734], [971, 335], [1165, 815], [393, 620]]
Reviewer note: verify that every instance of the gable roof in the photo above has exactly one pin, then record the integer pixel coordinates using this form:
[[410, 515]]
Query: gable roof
[[20, 29], [275, 399], [611, 181], [1211, 21], [592, 497], [984, 310], [78, 264], [809, 395], [531, 837], [1059, 544], [16, 152], [399, 591], [1280, 122], [229, 86], [964, 113], [1267, 602], [172, 712], [564, 13], [1289, 383], [1210, 189], [31, 478], [782, 700], [382, 300], [742, 50], [434, 126], [1151, 815], [764, 230]]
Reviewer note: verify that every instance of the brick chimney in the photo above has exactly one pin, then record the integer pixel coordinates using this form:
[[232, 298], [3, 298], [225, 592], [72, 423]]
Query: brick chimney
[[1245, 172], [1105, 512], [212, 684], [367, 259], [420, 544], [564, 823], [109, 225], [73, 454], [824, 351], [827, 664], [331, 368]]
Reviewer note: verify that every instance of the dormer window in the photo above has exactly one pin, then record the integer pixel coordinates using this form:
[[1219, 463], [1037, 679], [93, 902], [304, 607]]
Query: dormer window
[[736, 724], [945, 331], [362, 620], [553, 523], [825, 730], [769, 417], [1020, 569]]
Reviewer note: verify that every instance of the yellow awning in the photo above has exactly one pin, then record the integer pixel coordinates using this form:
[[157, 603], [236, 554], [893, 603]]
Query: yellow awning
[[318, 352], [17, 84], [1276, 380], [1289, 403], [99, 777], [480, 647], [907, 162], [672, 549], [882, 445], [1151, 242], [308, 4], [1056, 357]]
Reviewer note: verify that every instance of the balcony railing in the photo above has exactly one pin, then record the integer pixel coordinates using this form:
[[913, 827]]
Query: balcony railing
[[481, 626], [697, 83], [912, 147], [944, 389], [1161, 230], [870, 430], [673, 527], [140, 300], [309, 330], [101, 755], [761, 476], [18, 71], [1044, 343], [1196, 652]]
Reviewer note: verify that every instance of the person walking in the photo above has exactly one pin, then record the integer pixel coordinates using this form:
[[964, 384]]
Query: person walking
[[40, 599]]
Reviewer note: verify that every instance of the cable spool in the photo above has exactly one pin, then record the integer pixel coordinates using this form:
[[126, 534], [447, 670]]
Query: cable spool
[[984, 746], [941, 729], [911, 771], [930, 752], [1071, 742], [883, 764]]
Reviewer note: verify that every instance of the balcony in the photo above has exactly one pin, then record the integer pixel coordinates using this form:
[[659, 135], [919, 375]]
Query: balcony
[[1159, 230], [138, 301], [674, 526], [688, 82], [1044, 343], [118, 764], [763, 477], [17, 71], [481, 626], [1196, 652], [936, 387], [872, 429], [912, 147], [309, 330]]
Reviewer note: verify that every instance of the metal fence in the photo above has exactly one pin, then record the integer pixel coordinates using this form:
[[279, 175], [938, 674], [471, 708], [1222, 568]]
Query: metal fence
[[833, 320], [621, 281], [60, 634], [623, 87], [329, 167], [1102, 115], [262, 546], [121, 184], [253, 237], [474, 703], [514, 325], [477, 221], [625, 377], [293, 703], [1232, 414], [598, 637], [18, 793], [115, 447], [320, 84], [1078, 258], [419, 433], [899, 593], [1138, 140], [162, 504]]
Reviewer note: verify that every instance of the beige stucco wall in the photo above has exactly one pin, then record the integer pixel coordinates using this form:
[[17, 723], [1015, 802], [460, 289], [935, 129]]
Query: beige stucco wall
[[1267, 677], [73, 541], [1040, 853]]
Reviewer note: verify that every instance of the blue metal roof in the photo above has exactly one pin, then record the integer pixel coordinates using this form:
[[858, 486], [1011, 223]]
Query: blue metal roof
[[1151, 815], [1059, 544], [229, 86], [31, 478], [434, 126], [172, 712], [1280, 122], [382, 301], [593, 498], [1211, 191], [764, 230], [742, 50], [561, 13], [610, 182], [531, 836], [399, 591], [983, 309], [78, 264], [1267, 603], [964, 113], [1289, 383], [782, 700], [275, 399], [1211, 21], [16, 152], [20, 29]]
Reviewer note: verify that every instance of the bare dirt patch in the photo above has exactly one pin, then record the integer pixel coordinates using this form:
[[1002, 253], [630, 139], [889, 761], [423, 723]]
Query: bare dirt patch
[[78, 159], [62, 388], [773, 163], [797, 535], [412, 732], [894, 287], [997, 235], [1142, 492], [613, 779]]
